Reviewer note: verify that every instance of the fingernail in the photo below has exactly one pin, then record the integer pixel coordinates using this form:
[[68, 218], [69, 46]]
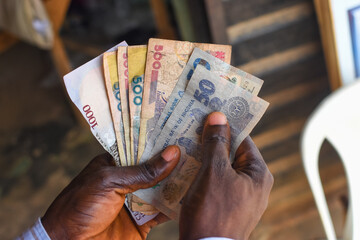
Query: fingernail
[[216, 118], [170, 153]]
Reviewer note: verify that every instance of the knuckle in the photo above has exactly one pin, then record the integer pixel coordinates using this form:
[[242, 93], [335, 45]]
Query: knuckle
[[149, 172], [217, 138], [103, 160]]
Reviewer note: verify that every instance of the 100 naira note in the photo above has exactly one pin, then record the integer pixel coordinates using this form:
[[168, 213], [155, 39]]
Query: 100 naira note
[[206, 92], [165, 62]]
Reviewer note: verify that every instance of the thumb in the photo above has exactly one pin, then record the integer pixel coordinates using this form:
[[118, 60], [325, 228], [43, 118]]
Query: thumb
[[216, 142], [131, 178]]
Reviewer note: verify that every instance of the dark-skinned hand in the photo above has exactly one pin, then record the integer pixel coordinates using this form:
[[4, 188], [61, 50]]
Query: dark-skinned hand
[[225, 200], [92, 205]]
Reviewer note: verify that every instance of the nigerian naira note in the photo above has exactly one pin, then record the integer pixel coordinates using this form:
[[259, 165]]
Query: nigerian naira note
[[124, 95], [165, 62], [206, 92], [86, 88], [136, 66], [113, 91], [240, 78]]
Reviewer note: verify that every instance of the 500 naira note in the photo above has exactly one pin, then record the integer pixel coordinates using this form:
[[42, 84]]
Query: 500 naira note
[[136, 61], [165, 62]]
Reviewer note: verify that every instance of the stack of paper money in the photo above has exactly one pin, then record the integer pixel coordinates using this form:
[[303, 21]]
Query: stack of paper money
[[140, 99]]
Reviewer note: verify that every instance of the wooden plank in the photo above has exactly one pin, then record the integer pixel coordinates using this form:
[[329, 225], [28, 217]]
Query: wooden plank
[[243, 10], [299, 33], [281, 59], [294, 183], [323, 11], [216, 18], [288, 113], [285, 163], [294, 93], [279, 134], [281, 150], [308, 219], [306, 71], [269, 22], [288, 208]]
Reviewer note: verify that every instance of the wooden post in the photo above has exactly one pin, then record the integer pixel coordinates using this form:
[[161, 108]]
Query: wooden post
[[216, 17], [323, 12], [162, 19], [56, 10]]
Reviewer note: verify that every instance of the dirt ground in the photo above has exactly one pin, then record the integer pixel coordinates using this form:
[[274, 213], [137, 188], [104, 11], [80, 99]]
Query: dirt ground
[[41, 146]]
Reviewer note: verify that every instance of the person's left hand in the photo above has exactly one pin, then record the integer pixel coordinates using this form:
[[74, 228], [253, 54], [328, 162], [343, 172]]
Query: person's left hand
[[92, 205]]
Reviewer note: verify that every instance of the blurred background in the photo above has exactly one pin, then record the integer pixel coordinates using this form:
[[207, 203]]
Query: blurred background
[[44, 144]]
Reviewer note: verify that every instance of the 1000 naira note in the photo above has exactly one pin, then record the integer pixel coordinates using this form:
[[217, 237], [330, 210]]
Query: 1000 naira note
[[206, 92], [240, 78], [86, 88], [165, 62]]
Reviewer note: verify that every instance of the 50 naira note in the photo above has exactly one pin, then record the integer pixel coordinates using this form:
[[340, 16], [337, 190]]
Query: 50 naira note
[[240, 78]]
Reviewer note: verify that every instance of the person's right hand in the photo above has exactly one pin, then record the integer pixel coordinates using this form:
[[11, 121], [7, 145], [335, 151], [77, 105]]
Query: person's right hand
[[225, 200]]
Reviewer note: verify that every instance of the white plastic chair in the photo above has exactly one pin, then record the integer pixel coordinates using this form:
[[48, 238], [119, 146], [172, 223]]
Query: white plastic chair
[[336, 119]]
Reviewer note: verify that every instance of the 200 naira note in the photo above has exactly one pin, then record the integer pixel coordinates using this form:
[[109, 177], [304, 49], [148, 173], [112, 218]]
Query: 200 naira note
[[205, 93], [165, 62], [86, 88], [124, 95], [113, 91], [240, 78]]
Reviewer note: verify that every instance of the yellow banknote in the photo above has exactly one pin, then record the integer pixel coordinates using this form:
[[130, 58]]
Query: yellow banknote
[[112, 88], [165, 62], [122, 62], [136, 65]]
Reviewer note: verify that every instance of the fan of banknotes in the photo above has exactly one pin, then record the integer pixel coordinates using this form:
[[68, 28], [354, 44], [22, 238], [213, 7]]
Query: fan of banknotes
[[140, 99]]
